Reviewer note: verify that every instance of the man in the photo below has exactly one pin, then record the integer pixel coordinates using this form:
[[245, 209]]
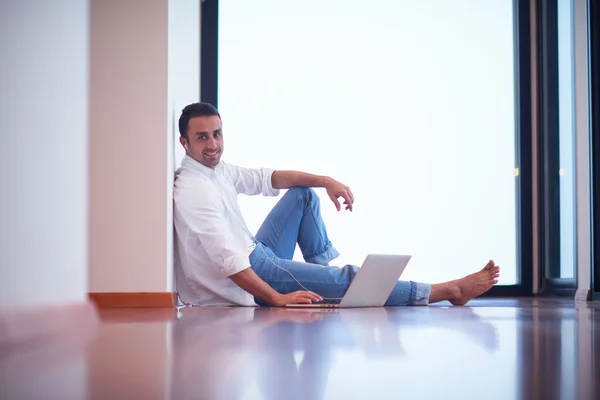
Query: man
[[219, 262]]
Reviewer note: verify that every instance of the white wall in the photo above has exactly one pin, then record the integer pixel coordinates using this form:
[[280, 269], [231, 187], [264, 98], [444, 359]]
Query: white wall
[[184, 88], [128, 126], [43, 152]]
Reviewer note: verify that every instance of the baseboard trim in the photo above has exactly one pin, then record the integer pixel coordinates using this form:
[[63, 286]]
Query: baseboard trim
[[134, 299], [21, 326], [583, 295]]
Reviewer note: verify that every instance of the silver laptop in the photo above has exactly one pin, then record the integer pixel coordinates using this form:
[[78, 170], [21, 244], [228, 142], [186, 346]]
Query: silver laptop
[[372, 284]]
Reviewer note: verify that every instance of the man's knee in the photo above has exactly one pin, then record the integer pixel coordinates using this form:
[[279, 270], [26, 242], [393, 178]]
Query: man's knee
[[303, 193], [349, 271]]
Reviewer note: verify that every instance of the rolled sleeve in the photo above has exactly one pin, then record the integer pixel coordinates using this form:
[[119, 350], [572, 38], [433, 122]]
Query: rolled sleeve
[[252, 181], [234, 264], [267, 183]]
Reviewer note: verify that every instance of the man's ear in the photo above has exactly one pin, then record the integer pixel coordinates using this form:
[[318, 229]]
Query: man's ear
[[183, 142]]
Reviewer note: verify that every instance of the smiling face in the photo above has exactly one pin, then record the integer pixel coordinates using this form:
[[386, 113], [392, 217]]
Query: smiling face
[[205, 140]]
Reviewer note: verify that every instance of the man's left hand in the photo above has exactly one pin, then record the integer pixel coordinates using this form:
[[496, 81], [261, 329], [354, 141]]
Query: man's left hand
[[336, 190]]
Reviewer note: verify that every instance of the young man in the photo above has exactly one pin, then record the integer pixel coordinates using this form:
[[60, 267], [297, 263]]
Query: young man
[[219, 262]]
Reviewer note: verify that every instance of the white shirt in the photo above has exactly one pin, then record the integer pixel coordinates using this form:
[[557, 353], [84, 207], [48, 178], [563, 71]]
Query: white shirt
[[212, 241]]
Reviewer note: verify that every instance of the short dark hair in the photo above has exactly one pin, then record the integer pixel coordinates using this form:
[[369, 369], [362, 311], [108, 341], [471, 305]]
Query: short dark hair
[[195, 110]]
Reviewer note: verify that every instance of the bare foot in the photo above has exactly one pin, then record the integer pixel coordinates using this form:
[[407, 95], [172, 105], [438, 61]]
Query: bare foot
[[460, 291]]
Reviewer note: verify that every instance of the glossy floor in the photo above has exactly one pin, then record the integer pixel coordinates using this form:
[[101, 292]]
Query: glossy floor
[[493, 349]]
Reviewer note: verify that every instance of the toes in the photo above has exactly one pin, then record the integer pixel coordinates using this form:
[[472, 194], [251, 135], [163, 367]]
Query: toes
[[489, 265]]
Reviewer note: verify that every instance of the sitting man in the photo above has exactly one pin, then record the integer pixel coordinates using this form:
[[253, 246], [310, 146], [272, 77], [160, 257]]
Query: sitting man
[[219, 262]]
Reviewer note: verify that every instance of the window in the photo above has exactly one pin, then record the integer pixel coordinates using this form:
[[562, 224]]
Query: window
[[412, 104]]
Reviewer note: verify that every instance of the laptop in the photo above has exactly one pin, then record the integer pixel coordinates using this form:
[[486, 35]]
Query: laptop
[[372, 284]]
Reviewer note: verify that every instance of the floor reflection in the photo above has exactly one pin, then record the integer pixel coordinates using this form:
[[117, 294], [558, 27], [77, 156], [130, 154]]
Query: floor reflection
[[523, 349], [556, 353], [289, 353]]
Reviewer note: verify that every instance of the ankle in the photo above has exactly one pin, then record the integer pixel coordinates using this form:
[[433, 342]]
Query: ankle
[[444, 291]]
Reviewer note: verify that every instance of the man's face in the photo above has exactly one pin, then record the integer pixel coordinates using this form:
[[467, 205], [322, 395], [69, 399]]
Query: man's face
[[205, 140]]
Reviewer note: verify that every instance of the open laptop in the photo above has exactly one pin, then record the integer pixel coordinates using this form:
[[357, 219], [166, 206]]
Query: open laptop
[[372, 284]]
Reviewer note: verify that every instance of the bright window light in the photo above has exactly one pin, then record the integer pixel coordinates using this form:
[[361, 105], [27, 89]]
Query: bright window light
[[410, 103]]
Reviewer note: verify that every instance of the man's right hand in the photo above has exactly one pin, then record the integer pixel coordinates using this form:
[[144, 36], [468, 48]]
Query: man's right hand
[[299, 297], [253, 284]]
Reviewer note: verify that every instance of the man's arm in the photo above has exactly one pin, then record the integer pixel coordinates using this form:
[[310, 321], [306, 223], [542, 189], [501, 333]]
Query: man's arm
[[335, 189], [288, 179], [253, 284]]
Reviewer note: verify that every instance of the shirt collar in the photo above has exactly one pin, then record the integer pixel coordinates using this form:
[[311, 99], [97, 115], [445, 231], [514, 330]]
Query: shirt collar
[[197, 166]]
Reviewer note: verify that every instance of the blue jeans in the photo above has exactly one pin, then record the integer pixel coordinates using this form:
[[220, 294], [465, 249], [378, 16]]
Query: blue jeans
[[296, 218]]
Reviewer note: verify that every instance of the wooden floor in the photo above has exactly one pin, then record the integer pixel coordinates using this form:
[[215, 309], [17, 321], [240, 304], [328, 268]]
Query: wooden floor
[[492, 349]]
